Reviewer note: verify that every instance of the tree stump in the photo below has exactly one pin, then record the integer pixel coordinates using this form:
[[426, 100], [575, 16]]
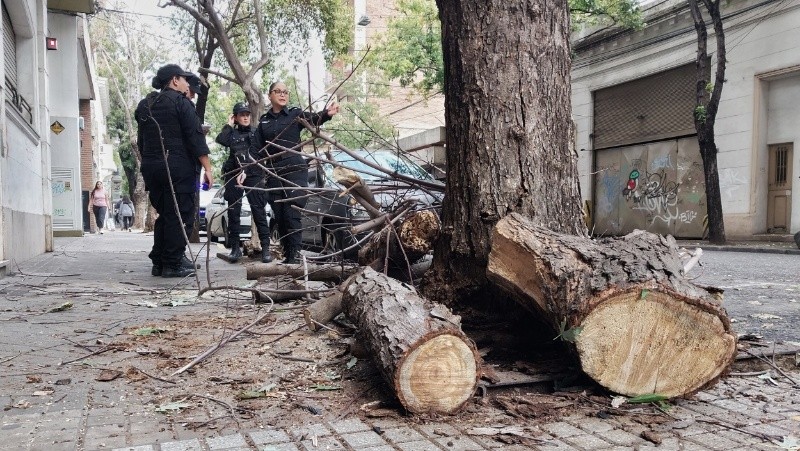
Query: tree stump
[[418, 346], [637, 325]]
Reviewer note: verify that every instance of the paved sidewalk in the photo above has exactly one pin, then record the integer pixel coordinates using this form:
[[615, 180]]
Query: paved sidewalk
[[49, 405]]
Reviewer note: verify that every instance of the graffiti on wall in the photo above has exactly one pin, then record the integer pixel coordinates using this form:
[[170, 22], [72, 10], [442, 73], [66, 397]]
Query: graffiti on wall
[[657, 187]]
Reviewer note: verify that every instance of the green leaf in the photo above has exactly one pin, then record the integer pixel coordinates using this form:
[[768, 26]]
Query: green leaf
[[571, 335], [322, 387], [648, 398], [61, 308], [644, 294], [251, 394], [145, 331], [172, 407]]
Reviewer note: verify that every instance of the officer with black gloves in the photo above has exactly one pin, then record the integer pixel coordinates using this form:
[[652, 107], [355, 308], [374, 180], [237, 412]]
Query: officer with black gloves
[[280, 125], [238, 137], [173, 150]]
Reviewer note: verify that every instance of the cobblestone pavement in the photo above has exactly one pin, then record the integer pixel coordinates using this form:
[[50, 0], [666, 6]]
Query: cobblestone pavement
[[66, 411]]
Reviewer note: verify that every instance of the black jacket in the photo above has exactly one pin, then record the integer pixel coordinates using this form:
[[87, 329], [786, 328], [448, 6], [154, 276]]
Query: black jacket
[[170, 115], [239, 141], [283, 129]]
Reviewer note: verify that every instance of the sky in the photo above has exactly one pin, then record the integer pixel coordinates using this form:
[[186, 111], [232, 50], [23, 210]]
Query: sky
[[150, 15]]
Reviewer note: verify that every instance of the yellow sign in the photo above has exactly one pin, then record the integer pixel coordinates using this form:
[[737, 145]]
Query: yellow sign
[[56, 127]]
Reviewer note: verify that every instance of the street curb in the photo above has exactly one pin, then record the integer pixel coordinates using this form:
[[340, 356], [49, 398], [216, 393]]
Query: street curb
[[757, 250]]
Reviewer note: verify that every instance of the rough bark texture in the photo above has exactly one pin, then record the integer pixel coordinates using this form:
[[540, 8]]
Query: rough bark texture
[[635, 322], [410, 241], [323, 311], [509, 131], [708, 95], [418, 346]]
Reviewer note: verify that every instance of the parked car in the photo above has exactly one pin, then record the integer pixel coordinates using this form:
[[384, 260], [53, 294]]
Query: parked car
[[216, 214], [205, 199], [331, 234]]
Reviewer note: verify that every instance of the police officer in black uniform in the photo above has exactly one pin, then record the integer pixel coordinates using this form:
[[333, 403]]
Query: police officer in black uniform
[[280, 126], [238, 138], [169, 124]]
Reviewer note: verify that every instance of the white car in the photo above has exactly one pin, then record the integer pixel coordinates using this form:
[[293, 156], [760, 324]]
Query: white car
[[216, 215]]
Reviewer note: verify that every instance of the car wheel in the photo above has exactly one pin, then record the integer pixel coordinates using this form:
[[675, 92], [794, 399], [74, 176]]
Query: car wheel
[[225, 240], [337, 240]]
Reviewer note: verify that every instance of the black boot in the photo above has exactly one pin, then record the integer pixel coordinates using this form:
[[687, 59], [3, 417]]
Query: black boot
[[266, 257], [236, 251], [176, 271], [186, 263], [292, 256]]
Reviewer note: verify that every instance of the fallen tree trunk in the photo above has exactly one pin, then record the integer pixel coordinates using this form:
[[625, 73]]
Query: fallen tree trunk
[[315, 272], [418, 346], [636, 323], [323, 310]]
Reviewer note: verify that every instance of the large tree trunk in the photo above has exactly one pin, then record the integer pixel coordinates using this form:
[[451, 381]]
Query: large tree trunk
[[418, 346], [635, 322], [509, 131]]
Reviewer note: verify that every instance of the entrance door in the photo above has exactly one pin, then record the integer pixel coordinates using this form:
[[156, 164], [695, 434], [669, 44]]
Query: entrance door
[[779, 199]]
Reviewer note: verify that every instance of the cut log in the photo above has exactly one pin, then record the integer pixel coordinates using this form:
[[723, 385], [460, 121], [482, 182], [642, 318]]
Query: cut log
[[315, 272], [637, 325], [418, 346], [360, 190], [323, 311], [410, 241]]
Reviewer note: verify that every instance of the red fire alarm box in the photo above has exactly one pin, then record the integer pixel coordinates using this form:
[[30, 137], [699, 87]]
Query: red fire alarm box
[[52, 43]]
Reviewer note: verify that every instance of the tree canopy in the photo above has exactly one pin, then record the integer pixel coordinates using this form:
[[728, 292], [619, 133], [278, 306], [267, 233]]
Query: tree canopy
[[411, 49]]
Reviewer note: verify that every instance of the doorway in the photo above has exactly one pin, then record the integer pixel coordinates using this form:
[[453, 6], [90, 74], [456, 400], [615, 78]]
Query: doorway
[[779, 192]]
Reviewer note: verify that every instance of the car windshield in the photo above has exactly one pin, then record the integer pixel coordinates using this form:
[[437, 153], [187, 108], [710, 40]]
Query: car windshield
[[389, 160]]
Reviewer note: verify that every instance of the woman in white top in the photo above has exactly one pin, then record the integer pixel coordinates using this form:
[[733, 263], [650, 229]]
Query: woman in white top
[[99, 205]]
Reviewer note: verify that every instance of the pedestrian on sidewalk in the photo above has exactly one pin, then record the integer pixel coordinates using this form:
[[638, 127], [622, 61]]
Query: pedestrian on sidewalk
[[98, 204], [173, 151], [126, 211], [280, 126], [239, 171]]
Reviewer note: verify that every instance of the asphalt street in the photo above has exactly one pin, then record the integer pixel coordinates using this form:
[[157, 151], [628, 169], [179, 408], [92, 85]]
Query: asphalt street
[[762, 290]]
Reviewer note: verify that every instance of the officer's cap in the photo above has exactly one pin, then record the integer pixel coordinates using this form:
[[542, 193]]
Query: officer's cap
[[241, 107], [165, 74], [194, 83]]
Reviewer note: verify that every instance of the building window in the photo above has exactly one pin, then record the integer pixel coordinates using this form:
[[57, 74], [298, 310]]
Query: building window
[[10, 61]]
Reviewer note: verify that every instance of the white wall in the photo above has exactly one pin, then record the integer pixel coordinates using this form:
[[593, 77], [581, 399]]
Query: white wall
[[24, 166], [759, 41]]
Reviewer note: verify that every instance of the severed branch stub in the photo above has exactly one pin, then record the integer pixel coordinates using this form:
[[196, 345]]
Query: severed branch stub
[[637, 325], [418, 346]]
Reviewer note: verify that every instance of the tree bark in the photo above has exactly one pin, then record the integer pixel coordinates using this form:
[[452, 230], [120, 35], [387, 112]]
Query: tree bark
[[708, 95], [509, 131], [636, 324], [418, 346], [323, 311], [408, 242]]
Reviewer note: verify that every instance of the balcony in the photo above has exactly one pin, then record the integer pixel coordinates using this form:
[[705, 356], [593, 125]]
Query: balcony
[[73, 6]]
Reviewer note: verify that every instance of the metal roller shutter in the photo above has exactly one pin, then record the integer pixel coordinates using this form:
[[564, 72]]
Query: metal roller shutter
[[9, 48], [655, 107]]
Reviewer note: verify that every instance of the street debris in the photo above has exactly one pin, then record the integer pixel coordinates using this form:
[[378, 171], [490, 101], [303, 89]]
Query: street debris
[[63, 307], [108, 375]]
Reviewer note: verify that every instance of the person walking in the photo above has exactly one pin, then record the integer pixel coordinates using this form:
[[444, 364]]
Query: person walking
[[240, 173], [173, 150], [98, 204], [280, 126], [126, 212]]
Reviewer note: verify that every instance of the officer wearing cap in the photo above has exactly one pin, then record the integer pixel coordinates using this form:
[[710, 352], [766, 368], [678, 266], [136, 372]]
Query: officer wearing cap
[[280, 125], [239, 169], [173, 150]]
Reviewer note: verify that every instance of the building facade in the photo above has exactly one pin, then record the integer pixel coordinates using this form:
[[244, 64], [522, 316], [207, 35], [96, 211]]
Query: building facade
[[633, 107], [46, 71]]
